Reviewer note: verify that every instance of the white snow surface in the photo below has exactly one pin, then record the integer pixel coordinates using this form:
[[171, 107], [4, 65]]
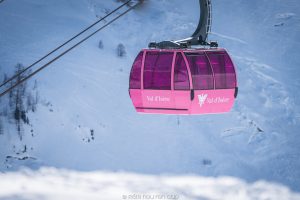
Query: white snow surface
[[53, 184], [255, 144]]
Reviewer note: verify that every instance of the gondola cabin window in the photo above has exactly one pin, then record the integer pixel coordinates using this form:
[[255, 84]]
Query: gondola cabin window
[[135, 75], [201, 71], [181, 75], [225, 77], [157, 70]]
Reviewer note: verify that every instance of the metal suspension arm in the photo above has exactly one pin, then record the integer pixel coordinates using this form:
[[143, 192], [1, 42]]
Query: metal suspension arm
[[204, 25], [199, 37]]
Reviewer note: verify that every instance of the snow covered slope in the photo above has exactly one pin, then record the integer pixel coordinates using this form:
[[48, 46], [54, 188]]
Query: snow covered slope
[[85, 120]]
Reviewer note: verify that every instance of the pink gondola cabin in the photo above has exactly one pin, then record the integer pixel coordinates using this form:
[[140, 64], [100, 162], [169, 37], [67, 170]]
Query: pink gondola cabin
[[182, 81]]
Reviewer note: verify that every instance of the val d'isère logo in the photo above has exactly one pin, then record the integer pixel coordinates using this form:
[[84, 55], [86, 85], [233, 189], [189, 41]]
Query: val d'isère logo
[[202, 98]]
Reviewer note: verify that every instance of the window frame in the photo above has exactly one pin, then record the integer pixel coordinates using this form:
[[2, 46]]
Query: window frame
[[234, 70], [144, 66], [141, 70], [187, 71], [225, 56], [200, 53]]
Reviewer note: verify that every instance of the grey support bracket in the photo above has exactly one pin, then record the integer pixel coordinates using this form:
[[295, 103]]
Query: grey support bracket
[[199, 37]]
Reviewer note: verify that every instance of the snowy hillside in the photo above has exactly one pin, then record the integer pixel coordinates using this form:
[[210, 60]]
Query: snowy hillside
[[85, 120]]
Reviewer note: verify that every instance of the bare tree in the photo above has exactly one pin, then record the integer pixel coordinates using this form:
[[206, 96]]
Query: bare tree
[[1, 125], [100, 44], [121, 52], [17, 97], [32, 98]]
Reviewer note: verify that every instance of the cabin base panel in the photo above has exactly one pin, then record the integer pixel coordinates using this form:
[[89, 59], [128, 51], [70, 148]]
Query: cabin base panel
[[167, 111], [176, 112]]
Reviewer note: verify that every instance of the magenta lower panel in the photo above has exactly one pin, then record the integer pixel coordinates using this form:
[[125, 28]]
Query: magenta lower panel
[[180, 103], [212, 101]]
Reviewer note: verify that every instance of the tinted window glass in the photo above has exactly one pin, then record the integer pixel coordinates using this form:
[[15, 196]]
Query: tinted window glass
[[157, 70], [135, 75], [181, 76], [217, 63], [201, 71], [223, 70], [230, 72]]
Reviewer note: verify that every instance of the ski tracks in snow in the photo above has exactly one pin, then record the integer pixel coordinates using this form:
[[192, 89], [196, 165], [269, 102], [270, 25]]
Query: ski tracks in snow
[[260, 94], [235, 39]]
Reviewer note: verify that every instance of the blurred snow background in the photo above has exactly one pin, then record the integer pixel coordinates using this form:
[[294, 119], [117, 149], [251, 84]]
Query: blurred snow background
[[50, 183], [84, 120]]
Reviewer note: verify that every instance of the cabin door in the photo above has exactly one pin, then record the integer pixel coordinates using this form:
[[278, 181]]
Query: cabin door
[[182, 84], [157, 92], [203, 82]]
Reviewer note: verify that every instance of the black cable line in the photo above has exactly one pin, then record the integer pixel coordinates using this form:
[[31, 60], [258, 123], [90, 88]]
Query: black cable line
[[59, 47], [65, 52]]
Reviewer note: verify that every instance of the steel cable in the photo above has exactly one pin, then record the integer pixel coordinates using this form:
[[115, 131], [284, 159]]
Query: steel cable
[[68, 50], [62, 45]]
